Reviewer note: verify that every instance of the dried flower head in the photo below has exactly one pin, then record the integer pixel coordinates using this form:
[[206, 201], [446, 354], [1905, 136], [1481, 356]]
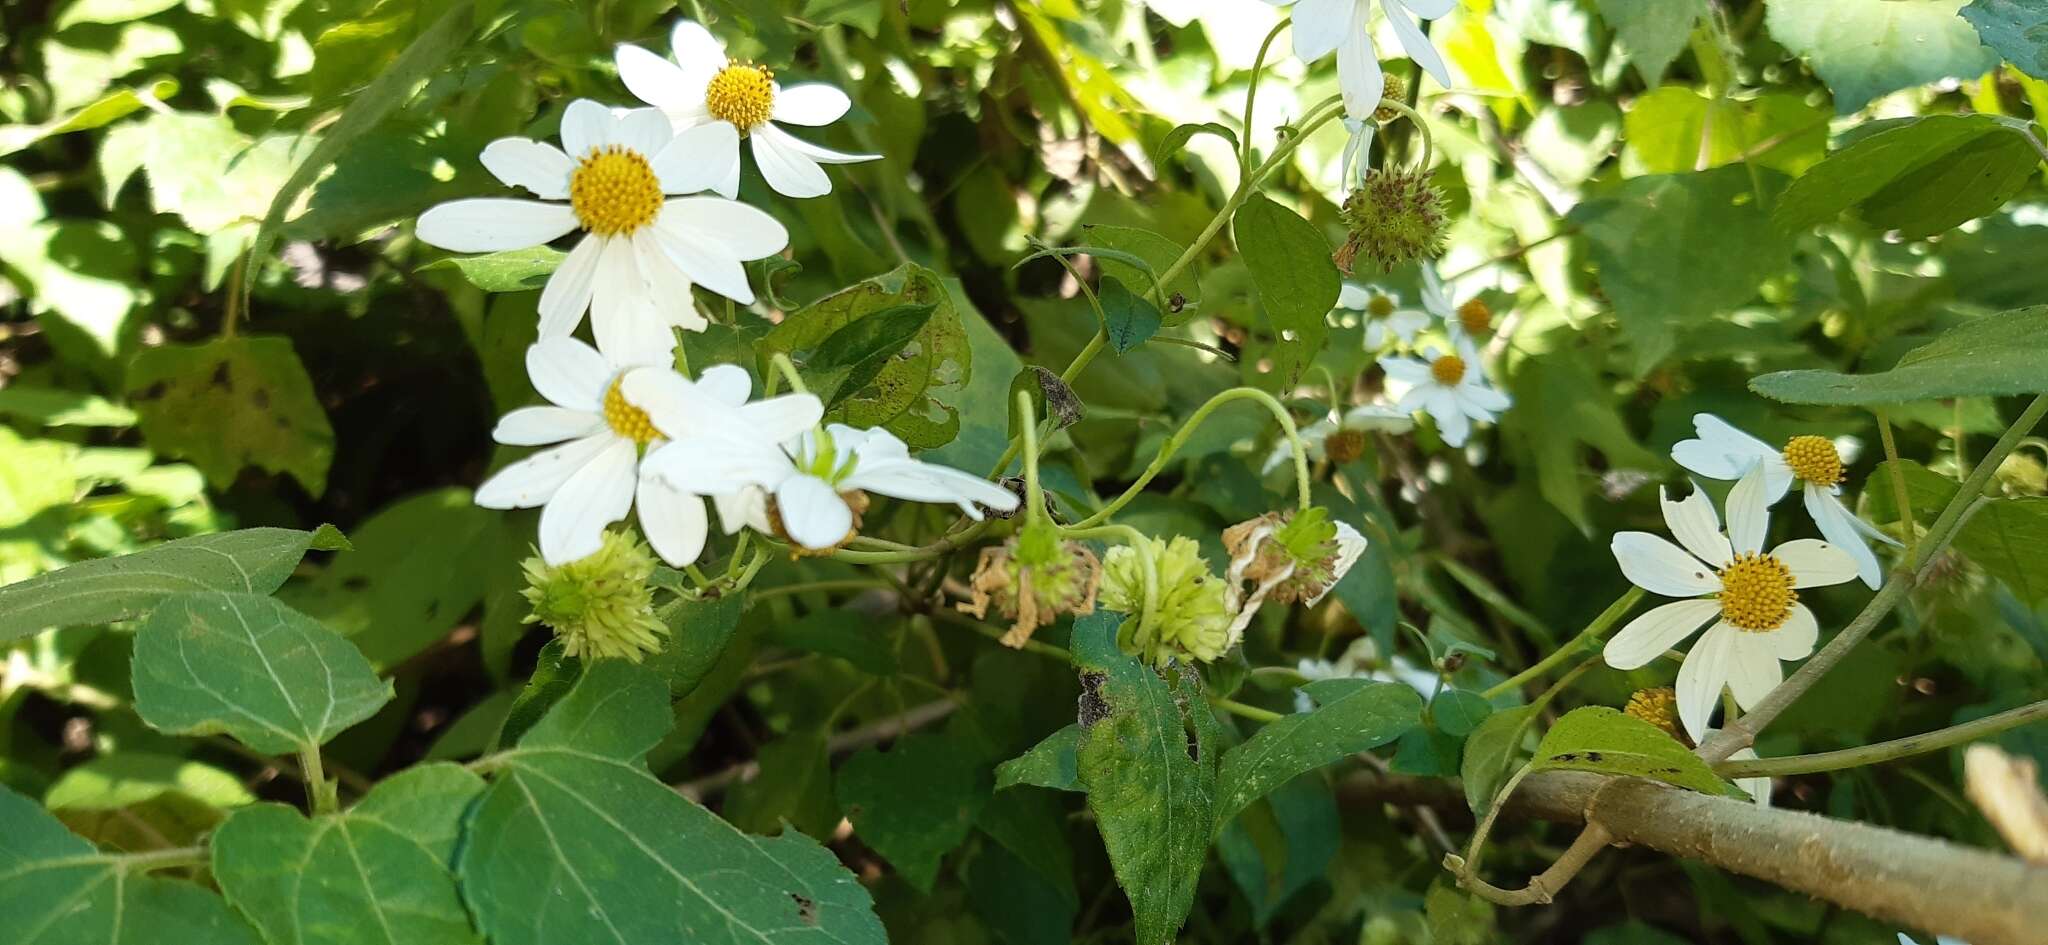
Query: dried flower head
[[1032, 579], [1292, 557], [1394, 218], [1193, 620], [600, 605]]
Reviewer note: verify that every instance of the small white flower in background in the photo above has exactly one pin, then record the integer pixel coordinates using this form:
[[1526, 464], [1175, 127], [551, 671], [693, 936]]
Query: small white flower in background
[[598, 473], [1449, 387], [1361, 660], [1724, 452], [1385, 320], [1905, 939], [643, 247], [806, 475], [1759, 788], [1750, 595], [704, 89], [1345, 28], [1315, 438]]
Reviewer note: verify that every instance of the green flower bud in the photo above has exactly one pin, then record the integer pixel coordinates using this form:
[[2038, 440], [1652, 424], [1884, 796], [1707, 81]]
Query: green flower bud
[[1193, 621], [601, 606]]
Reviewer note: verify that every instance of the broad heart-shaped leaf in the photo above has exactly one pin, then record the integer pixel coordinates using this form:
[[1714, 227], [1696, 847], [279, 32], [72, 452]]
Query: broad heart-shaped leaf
[[375, 875], [55, 889], [1053, 763], [915, 802], [1152, 788], [1651, 32], [1919, 176], [1129, 319], [1351, 715], [1990, 356], [1867, 48], [244, 664], [1298, 284], [2008, 538], [513, 270], [230, 403], [1644, 236], [1609, 741], [103, 590], [2017, 29], [908, 395], [575, 842], [1159, 254]]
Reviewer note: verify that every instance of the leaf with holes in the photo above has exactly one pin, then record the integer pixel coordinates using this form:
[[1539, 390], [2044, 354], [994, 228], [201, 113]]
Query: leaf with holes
[[908, 391], [1608, 741], [246, 665], [231, 403]]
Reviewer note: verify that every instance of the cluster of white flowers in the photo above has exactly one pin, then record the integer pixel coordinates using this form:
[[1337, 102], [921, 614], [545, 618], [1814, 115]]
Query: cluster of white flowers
[[624, 428], [1344, 27]]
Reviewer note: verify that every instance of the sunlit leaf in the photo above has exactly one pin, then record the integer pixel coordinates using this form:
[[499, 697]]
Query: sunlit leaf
[[1919, 176], [1608, 741], [1298, 284], [1988, 356], [1867, 48]]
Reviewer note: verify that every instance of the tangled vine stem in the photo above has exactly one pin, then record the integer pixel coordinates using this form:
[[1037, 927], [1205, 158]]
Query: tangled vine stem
[[1180, 439]]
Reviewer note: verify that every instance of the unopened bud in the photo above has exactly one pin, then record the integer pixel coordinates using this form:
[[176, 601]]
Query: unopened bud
[[600, 605], [1193, 620]]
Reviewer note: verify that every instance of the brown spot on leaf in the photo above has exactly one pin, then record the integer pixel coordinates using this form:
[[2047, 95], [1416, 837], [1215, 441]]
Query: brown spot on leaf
[[221, 378], [153, 391], [806, 909], [1093, 708]]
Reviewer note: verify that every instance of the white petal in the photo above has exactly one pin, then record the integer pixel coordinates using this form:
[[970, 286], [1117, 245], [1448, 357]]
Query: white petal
[[779, 418], [1351, 546], [655, 80], [623, 317], [787, 171], [1753, 671], [1649, 635], [715, 465], [1354, 297], [1721, 451], [595, 496], [915, 481], [537, 426], [747, 508], [699, 158], [1815, 563], [1359, 74], [585, 125], [1838, 524], [1795, 640], [1408, 323], [1480, 395], [674, 522], [668, 289], [490, 224], [537, 166], [569, 373], [811, 103], [695, 48], [726, 383], [679, 408], [812, 514], [1406, 370], [1660, 567], [1379, 418], [535, 479], [1702, 677], [822, 155], [1319, 25], [1696, 526], [1749, 513], [567, 294], [729, 188], [1451, 423], [1429, 9], [1416, 44], [644, 131]]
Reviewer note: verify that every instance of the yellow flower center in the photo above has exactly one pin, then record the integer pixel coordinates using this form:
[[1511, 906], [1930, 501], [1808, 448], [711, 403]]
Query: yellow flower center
[[625, 419], [1756, 592], [1657, 706], [1474, 316], [741, 93], [1393, 87], [614, 192], [1379, 306], [1814, 459], [1448, 370]]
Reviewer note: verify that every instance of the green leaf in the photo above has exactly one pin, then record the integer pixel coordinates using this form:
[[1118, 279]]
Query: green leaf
[[55, 888], [698, 632], [915, 802], [1609, 741], [376, 874], [793, 786], [246, 665], [1157, 254], [1298, 284], [1457, 917], [1676, 129], [2017, 29], [575, 842], [1351, 715], [1988, 356], [554, 674], [849, 358], [1490, 752], [110, 11], [255, 560], [122, 779], [1053, 763], [513, 270], [1651, 33], [2007, 537], [1151, 787], [1645, 238], [1032, 824], [1181, 134], [52, 407], [230, 403], [1457, 712], [1130, 318], [1564, 414], [1866, 48], [1920, 176], [842, 633], [1282, 845], [107, 108], [910, 393], [206, 171]]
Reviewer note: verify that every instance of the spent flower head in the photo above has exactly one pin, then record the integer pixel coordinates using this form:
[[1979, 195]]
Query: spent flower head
[[1032, 579], [1393, 218], [600, 605]]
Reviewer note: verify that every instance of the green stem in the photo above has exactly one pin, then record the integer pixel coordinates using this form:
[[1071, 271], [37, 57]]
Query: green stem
[[1034, 497], [1902, 498], [320, 792], [1180, 438], [1591, 634], [1251, 94], [847, 584], [1885, 751], [161, 859], [1252, 712], [787, 369], [1046, 650]]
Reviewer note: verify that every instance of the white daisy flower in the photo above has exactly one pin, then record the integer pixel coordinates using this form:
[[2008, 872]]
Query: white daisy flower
[[643, 247], [808, 473], [598, 472], [1449, 387], [1724, 452], [1751, 597], [1386, 322], [702, 88], [1345, 28], [1315, 438]]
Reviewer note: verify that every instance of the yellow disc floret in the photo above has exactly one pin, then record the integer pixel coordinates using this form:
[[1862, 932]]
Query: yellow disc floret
[[614, 192], [1814, 459], [625, 419], [1379, 306], [1657, 706], [1474, 316], [1756, 592], [1448, 370], [741, 93]]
